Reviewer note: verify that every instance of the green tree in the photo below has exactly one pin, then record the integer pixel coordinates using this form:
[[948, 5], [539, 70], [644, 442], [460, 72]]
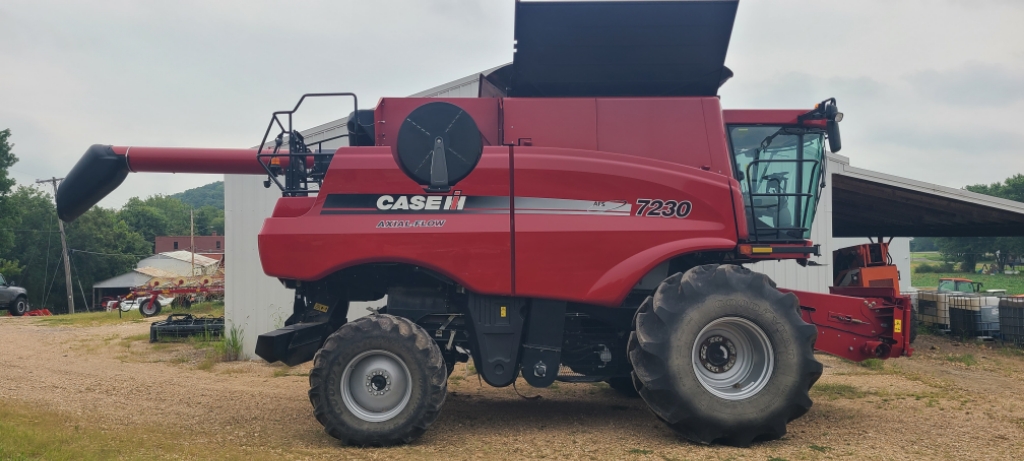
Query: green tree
[[37, 242], [969, 250], [209, 195], [7, 219]]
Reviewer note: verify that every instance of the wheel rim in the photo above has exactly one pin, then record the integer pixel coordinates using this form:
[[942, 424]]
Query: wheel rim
[[376, 386], [733, 358], [21, 306], [148, 308]]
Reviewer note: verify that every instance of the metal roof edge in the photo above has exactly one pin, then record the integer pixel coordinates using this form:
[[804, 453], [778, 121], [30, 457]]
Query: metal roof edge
[[928, 188], [469, 79]]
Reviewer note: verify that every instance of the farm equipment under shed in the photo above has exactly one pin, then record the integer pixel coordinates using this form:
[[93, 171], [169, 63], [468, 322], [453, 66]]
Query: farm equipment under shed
[[593, 213], [184, 291]]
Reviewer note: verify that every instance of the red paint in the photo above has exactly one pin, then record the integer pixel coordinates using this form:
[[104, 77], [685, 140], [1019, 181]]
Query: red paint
[[472, 249], [194, 160], [597, 258], [849, 318], [290, 207]]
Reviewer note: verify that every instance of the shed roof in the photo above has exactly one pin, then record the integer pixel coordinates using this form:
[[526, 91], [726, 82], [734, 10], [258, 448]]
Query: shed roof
[[867, 203], [186, 256], [131, 279]]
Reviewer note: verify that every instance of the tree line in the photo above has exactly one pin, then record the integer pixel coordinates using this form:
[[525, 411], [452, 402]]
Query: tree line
[[969, 251], [103, 242]]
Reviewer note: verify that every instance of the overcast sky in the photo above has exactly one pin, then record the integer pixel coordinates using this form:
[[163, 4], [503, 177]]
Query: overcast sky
[[932, 89]]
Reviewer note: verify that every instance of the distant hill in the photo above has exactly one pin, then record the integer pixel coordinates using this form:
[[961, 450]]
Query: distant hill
[[209, 195]]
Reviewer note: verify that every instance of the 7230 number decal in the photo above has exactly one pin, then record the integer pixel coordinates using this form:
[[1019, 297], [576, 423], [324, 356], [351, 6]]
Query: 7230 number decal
[[663, 208]]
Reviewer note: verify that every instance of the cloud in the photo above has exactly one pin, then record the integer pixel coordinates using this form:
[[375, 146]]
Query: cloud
[[965, 141], [971, 85], [799, 89]]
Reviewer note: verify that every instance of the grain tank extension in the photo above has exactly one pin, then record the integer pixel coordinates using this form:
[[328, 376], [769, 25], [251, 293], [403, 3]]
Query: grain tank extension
[[588, 218]]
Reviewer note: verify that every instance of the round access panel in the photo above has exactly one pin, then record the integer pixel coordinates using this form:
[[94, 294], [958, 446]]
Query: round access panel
[[419, 134]]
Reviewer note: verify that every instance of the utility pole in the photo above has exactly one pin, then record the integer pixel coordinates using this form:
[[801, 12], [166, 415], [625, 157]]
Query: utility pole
[[192, 238], [63, 244]]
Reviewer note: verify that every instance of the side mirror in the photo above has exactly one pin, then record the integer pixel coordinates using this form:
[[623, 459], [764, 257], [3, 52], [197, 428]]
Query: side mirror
[[829, 111], [835, 143], [12, 283], [833, 117]]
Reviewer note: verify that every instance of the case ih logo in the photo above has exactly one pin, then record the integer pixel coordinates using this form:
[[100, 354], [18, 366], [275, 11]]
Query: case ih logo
[[471, 204], [454, 202], [400, 203]]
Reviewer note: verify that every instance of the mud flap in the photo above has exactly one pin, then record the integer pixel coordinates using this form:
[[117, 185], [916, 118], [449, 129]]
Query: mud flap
[[542, 348], [497, 328]]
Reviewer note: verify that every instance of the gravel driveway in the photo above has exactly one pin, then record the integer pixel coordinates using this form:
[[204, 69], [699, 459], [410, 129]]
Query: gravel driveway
[[936, 405]]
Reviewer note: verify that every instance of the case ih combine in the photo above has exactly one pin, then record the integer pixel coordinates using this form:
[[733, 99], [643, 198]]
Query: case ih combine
[[586, 219]]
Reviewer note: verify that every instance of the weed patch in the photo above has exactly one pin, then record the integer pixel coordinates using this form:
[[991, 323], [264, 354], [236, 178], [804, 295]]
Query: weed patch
[[832, 391], [873, 364], [964, 359]]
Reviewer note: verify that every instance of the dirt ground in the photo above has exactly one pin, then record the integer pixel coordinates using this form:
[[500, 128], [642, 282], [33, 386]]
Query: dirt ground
[[950, 401]]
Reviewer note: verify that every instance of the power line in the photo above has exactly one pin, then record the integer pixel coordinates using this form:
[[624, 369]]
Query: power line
[[29, 230], [107, 254]]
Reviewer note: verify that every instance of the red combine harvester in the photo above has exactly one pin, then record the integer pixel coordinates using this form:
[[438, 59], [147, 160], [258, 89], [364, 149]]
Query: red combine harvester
[[586, 219]]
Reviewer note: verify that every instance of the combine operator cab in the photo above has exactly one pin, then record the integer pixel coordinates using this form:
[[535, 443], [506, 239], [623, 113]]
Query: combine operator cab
[[781, 171], [576, 222]]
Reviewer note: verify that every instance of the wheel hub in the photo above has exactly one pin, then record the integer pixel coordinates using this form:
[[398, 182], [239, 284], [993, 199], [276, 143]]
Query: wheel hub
[[733, 358], [376, 386], [378, 382], [718, 354]]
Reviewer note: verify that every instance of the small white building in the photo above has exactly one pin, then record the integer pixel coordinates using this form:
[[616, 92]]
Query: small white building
[[167, 265], [182, 263]]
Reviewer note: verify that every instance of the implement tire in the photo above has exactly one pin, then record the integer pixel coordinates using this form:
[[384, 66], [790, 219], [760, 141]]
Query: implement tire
[[19, 306], [150, 307], [721, 356], [377, 381]]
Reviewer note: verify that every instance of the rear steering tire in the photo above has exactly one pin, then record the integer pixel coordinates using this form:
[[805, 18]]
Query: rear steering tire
[[377, 381], [19, 306], [721, 356]]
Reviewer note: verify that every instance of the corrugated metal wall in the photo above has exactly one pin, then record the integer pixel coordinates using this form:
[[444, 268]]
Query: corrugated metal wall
[[253, 302]]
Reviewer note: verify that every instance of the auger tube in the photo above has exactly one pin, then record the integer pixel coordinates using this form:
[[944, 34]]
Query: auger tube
[[103, 168]]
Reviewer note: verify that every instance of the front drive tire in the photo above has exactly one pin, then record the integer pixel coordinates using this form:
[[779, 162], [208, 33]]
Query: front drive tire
[[19, 306], [721, 356], [377, 381]]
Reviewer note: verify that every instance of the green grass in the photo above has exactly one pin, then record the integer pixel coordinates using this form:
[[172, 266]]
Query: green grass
[[965, 359], [1013, 284], [31, 433], [929, 255], [833, 391], [92, 319], [873, 364]]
